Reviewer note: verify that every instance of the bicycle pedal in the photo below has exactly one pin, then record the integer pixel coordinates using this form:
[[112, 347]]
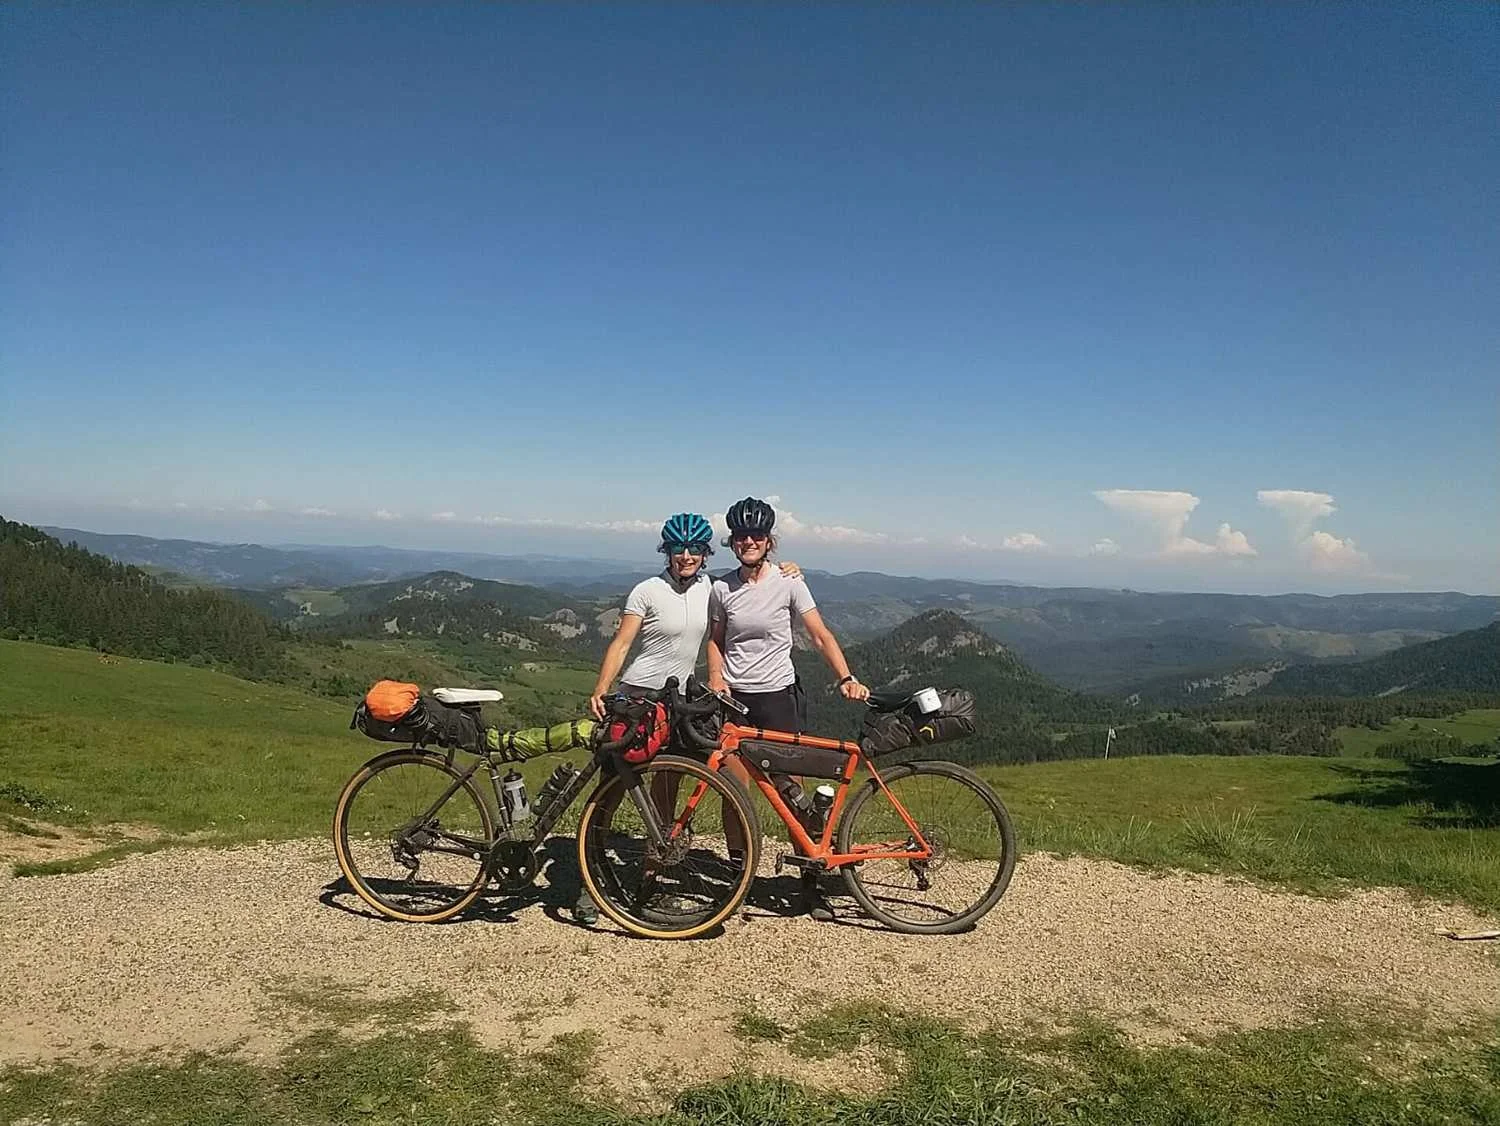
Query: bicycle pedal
[[791, 858]]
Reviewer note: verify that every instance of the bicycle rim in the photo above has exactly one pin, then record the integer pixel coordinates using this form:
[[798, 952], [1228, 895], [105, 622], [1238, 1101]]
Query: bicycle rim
[[691, 885], [404, 859], [968, 829]]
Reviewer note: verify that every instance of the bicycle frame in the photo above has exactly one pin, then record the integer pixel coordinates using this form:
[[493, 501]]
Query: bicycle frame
[[820, 850], [540, 826]]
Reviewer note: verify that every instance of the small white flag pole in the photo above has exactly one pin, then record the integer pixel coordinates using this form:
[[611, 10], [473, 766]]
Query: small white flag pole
[[1108, 739]]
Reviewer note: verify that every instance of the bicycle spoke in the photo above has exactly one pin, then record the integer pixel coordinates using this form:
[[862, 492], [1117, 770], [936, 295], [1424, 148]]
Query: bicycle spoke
[[414, 859], [685, 880], [969, 852]]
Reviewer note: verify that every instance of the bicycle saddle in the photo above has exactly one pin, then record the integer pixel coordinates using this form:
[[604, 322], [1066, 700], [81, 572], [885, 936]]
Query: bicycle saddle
[[467, 697], [889, 701]]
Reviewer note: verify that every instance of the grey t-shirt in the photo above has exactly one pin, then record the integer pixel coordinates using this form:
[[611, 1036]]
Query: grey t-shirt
[[673, 622], [757, 621]]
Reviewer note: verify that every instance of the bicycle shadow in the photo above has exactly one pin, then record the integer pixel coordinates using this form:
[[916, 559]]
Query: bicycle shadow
[[556, 890], [559, 887]]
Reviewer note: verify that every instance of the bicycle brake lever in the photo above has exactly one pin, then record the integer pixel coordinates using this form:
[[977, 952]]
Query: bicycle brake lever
[[731, 703]]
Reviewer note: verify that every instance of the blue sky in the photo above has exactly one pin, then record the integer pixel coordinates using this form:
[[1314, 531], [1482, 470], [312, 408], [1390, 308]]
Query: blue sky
[[1166, 297]]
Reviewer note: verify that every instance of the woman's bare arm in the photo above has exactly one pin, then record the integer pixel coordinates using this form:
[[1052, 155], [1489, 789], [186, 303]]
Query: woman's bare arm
[[614, 660]]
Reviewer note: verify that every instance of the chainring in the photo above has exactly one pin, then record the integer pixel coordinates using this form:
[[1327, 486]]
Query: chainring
[[513, 866]]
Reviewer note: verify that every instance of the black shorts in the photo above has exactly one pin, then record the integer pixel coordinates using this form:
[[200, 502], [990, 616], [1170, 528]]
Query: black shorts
[[782, 710]]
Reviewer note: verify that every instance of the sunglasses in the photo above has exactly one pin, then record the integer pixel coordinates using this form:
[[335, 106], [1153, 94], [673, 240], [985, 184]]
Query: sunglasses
[[758, 537], [697, 549]]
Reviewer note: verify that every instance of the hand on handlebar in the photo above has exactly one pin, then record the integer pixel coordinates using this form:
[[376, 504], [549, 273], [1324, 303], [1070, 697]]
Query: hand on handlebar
[[854, 690]]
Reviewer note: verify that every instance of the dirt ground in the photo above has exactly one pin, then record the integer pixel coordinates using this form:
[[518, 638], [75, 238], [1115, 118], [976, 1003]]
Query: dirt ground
[[205, 948]]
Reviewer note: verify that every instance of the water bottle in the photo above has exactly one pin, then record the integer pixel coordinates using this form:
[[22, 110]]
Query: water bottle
[[822, 802], [513, 794], [559, 780], [795, 796]]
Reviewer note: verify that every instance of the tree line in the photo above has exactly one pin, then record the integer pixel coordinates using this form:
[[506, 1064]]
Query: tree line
[[65, 595]]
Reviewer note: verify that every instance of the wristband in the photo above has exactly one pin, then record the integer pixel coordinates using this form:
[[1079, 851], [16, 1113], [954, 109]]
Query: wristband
[[845, 680]]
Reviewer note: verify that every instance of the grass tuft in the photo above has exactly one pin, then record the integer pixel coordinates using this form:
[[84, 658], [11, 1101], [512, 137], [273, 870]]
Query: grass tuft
[[752, 1026], [104, 857]]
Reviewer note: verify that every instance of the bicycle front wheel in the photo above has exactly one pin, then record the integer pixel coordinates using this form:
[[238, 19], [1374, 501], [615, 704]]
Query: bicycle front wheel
[[698, 877], [412, 836], [968, 829]]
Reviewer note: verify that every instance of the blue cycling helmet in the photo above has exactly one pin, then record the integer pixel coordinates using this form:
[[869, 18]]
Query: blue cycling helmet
[[686, 528]]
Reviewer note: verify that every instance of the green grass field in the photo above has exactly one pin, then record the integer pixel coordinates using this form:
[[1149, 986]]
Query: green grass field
[[192, 751], [1480, 725], [536, 691], [184, 750], [323, 603]]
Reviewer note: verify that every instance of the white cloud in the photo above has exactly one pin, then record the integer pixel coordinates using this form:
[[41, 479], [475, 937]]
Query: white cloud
[[1301, 508], [1323, 551], [180, 505], [1023, 541], [258, 505], [1232, 543], [632, 526], [383, 514], [791, 527], [444, 517], [966, 541], [1166, 513], [315, 510], [1327, 552], [1106, 546]]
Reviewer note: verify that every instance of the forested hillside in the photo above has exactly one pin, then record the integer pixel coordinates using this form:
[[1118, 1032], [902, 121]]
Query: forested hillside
[[461, 610], [65, 595], [1465, 662]]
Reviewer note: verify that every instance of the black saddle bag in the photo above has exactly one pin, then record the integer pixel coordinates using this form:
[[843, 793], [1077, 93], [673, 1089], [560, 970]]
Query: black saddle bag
[[887, 732], [429, 721]]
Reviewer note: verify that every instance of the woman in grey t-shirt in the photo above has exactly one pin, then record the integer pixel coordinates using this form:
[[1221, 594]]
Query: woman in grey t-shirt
[[750, 615]]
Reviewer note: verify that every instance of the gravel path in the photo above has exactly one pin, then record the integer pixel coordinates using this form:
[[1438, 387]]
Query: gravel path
[[192, 948]]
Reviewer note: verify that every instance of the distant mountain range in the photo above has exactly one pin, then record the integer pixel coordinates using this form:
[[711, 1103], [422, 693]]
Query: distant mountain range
[[1098, 640], [257, 567]]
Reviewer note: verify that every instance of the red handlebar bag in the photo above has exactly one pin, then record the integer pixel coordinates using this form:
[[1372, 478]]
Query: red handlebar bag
[[645, 723]]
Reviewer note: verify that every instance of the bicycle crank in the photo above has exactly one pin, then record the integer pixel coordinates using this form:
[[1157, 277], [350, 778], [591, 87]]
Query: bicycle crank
[[513, 865]]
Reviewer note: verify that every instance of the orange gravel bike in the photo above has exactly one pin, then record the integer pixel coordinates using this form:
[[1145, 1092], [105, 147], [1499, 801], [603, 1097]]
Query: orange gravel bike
[[925, 847]]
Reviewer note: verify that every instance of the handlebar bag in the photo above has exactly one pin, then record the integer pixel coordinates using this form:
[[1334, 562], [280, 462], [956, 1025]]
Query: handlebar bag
[[643, 722]]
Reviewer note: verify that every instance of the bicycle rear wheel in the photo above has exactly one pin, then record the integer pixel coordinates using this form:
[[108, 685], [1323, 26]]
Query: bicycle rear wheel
[[968, 828], [408, 852], [691, 884]]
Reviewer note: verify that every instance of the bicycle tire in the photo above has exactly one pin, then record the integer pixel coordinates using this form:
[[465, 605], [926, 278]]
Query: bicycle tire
[[360, 853], [880, 898], [657, 897]]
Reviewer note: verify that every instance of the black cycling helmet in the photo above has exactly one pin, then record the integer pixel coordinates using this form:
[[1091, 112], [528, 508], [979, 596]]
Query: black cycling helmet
[[750, 515]]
